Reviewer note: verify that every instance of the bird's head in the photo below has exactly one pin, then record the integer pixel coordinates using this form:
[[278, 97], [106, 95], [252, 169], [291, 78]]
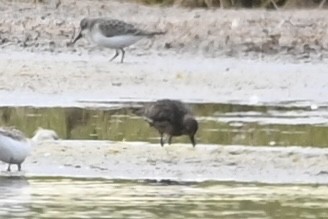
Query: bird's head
[[84, 26]]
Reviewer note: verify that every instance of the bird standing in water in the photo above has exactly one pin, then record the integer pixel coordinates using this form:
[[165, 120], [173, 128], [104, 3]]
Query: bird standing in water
[[170, 117]]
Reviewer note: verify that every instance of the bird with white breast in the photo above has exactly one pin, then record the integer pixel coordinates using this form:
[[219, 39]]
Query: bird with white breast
[[111, 33], [15, 146]]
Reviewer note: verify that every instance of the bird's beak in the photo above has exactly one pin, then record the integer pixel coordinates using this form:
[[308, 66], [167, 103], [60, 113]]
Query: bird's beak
[[77, 38]]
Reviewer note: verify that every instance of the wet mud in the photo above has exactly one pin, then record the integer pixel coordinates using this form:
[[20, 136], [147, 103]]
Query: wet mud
[[177, 162]]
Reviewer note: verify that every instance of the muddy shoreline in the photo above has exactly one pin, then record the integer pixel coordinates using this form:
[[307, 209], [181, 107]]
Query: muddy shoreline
[[290, 35], [37, 68], [178, 162], [69, 80], [247, 57]]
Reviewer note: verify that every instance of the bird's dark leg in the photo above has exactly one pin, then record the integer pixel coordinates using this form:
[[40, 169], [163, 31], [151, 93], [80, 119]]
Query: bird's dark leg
[[169, 139], [77, 38], [123, 53], [116, 54], [192, 139], [162, 142], [9, 169], [19, 166]]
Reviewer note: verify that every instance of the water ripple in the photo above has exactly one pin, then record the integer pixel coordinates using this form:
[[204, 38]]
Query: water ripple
[[86, 198]]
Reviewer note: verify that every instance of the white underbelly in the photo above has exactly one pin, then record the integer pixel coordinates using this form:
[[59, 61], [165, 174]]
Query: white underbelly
[[12, 151], [115, 42]]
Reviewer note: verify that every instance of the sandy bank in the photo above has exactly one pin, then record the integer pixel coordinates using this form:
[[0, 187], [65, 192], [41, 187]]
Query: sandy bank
[[299, 35], [48, 80], [178, 162], [255, 57]]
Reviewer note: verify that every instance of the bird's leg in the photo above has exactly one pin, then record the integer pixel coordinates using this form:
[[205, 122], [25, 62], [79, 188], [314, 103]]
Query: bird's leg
[[169, 139], [162, 142], [8, 169], [116, 54], [19, 167], [123, 53], [192, 139]]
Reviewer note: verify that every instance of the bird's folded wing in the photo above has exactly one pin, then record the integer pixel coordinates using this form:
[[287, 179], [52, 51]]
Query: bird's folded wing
[[12, 133], [110, 28]]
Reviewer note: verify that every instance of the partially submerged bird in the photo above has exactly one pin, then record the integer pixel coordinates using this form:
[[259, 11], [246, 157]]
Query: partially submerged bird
[[14, 147], [111, 33], [170, 117]]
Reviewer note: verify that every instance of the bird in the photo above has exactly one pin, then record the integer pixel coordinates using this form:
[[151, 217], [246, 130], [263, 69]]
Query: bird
[[14, 147], [170, 117], [111, 33], [42, 134]]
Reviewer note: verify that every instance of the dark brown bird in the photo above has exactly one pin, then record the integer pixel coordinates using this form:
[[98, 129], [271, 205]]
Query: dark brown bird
[[170, 117]]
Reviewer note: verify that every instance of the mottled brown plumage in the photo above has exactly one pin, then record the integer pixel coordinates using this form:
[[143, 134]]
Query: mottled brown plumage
[[111, 33], [112, 27], [170, 117]]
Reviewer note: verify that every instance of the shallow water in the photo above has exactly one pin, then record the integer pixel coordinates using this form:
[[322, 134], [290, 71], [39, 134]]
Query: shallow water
[[96, 198], [226, 124]]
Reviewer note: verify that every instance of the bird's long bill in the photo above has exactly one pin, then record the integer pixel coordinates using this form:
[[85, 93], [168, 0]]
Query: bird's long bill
[[77, 37]]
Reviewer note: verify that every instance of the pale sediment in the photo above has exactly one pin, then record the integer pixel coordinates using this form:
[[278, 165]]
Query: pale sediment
[[260, 34], [189, 63], [178, 162], [66, 80]]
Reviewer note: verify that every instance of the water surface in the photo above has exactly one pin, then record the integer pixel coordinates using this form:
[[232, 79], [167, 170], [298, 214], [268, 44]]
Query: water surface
[[225, 124], [99, 198]]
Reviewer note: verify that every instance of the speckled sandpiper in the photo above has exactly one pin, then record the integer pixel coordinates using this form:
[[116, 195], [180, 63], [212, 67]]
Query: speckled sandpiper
[[111, 33]]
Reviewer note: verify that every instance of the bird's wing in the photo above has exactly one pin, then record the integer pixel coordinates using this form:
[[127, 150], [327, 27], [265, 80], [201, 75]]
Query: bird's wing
[[12, 133], [111, 28], [160, 112]]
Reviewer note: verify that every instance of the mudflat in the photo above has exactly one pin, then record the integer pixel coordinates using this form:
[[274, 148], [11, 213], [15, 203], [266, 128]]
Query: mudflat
[[177, 162], [226, 56]]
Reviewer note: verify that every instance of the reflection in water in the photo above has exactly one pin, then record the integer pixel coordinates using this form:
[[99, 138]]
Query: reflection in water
[[219, 124], [14, 197], [83, 198]]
